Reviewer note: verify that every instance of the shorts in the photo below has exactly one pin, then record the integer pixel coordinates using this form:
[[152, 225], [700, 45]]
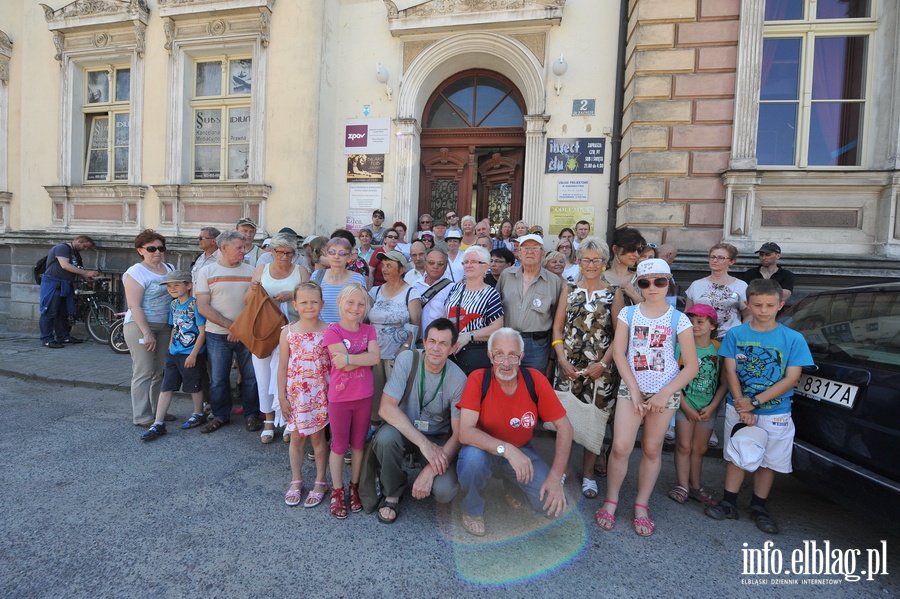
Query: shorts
[[779, 447], [710, 424], [177, 376], [625, 395], [349, 422]]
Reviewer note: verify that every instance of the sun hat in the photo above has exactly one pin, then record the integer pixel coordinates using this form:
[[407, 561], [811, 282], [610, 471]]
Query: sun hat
[[452, 234], [653, 267], [703, 310], [748, 446]]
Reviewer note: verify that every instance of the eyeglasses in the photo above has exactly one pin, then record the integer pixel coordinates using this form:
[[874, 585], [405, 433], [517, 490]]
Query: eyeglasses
[[591, 261], [335, 253], [285, 253], [433, 263], [530, 248], [424, 222], [511, 359], [392, 237], [650, 245], [472, 262], [660, 282], [205, 238], [717, 258], [154, 248]]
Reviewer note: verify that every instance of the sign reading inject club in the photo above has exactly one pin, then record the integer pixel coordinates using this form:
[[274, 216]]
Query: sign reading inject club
[[573, 155], [367, 136]]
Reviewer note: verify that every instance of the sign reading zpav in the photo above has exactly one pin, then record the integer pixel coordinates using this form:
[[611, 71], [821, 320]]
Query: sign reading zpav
[[367, 136]]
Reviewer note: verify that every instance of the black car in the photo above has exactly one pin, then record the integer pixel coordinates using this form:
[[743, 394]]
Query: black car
[[847, 408]]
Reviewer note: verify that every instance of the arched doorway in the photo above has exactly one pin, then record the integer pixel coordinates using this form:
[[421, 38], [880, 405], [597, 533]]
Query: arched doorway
[[473, 147]]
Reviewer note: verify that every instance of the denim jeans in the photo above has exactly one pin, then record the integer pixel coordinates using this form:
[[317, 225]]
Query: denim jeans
[[54, 319], [221, 351], [475, 466], [537, 353]]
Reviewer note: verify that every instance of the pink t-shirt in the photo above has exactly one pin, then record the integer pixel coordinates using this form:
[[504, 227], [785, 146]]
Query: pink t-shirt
[[358, 383]]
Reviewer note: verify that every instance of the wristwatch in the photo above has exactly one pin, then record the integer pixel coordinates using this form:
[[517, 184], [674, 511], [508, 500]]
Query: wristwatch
[[501, 449], [754, 402]]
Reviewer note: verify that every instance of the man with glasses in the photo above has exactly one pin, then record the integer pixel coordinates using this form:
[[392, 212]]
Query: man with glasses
[[220, 291], [421, 419], [56, 296], [207, 242], [769, 254], [452, 219], [530, 298], [498, 415], [376, 227], [434, 288], [425, 222]]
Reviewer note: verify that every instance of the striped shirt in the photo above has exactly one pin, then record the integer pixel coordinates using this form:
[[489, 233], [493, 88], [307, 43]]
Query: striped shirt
[[330, 312], [226, 287], [473, 310]]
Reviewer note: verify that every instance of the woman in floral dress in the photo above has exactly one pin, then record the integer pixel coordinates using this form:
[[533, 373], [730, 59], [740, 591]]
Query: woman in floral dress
[[582, 333]]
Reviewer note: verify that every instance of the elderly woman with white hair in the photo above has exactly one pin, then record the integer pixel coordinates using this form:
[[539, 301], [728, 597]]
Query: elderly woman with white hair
[[469, 237], [582, 339], [278, 279], [476, 309]]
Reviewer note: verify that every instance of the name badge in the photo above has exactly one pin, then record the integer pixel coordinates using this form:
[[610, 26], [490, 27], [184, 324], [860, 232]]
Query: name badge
[[422, 425]]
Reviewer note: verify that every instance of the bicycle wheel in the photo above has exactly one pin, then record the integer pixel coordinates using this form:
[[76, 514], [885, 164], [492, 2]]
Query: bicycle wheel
[[100, 321], [117, 337]]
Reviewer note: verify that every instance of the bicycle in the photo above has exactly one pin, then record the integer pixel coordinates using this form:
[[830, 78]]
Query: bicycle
[[117, 335], [98, 316]]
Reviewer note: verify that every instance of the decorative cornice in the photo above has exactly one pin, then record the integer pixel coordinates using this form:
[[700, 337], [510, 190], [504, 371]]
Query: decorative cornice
[[80, 10], [442, 14], [443, 7], [5, 53], [173, 8]]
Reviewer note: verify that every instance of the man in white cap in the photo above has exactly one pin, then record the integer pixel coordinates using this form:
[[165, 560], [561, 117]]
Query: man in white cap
[[530, 298]]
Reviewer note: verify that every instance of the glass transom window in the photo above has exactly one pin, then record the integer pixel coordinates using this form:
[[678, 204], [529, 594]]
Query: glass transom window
[[478, 100], [106, 109]]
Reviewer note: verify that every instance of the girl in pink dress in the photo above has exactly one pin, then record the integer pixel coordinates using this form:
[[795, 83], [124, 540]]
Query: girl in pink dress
[[303, 370]]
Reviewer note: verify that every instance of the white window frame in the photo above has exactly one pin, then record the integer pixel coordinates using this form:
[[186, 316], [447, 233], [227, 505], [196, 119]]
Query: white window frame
[[808, 30], [110, 109]]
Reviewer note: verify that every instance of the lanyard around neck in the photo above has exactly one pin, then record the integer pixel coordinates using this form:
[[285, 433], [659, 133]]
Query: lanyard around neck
[[422, 386]]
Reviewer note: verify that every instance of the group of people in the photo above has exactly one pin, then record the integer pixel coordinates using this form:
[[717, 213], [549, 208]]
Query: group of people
[[454, 348]]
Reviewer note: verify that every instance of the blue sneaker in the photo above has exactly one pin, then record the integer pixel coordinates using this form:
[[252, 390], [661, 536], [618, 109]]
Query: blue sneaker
[[194, 420], [156, 430]]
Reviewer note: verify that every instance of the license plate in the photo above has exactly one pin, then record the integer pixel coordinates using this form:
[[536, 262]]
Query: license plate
[[821, 389]]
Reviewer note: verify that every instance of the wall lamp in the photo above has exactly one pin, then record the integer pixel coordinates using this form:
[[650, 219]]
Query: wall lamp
[[560, 66], [382, 75]]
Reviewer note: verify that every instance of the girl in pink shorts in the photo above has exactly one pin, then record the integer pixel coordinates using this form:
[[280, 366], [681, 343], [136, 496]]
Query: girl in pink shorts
[[353, 346]]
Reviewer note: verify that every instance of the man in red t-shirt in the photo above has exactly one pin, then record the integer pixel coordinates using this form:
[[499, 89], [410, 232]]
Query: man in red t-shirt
[[496, 432]]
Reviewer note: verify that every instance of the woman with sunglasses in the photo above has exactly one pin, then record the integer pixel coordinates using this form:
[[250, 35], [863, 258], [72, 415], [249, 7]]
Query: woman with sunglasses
[[726, 294], [572, 271], [626, 247], [147, 324], [391, 240], [582, 342], [334, 278], [278, 279], [476, 309]]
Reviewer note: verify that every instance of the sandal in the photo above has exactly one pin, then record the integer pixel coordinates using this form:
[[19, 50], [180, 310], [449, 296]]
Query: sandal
[[355, 502], [763, 520], [678, 494], [643, 522], [286, 435], [292, 497], [394, 506], [700, 494], [603, 515], [338, 505], [513, 502], [474, 525], [212, 426], [314, 498], [589, 488], [268, 434], [600, 468]]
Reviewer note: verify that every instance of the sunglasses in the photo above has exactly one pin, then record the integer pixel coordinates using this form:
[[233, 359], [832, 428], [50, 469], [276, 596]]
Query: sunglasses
[[341, 254], [660, 282], [154, 248], [424, 222], [392, 237]]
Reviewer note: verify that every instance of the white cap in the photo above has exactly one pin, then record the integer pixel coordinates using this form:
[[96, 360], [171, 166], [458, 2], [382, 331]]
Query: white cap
[[748, 446], [653, 266], [530, 237]]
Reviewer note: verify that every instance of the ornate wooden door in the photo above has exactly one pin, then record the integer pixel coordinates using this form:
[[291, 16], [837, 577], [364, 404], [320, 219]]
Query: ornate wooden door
[[446, 180], [500, 185]]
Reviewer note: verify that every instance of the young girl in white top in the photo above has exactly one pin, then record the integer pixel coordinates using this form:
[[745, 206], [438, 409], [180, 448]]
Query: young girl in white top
[[650, 392]]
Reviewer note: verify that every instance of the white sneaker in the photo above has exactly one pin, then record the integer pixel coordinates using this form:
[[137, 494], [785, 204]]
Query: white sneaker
[[670, 434], [714, 440]]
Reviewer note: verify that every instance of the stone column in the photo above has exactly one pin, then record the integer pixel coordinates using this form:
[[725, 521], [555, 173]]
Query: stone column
[[747, 85], [535, 133], [406, 184]]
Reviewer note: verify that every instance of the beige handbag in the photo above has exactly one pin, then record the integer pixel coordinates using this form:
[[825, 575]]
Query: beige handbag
[[588, 421]]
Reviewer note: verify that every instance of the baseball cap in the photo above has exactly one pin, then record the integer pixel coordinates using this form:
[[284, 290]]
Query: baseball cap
[[246, 221], [748, 446], [393, 255], [288, 231], [530, 237], [266, 242], [703, 310], [440, 222], [653, 266], [177, 276], [769, 246]]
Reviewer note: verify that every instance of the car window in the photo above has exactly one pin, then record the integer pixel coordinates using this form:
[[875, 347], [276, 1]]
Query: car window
[[861, 328]]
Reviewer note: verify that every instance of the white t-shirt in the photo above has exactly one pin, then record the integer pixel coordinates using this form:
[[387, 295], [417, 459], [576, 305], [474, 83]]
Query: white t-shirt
[[727, 300], [651, 348], [156, 300]]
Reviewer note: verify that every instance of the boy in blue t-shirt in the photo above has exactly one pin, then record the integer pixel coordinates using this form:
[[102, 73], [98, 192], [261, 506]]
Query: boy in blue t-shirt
[[186, 360], [763, 362]]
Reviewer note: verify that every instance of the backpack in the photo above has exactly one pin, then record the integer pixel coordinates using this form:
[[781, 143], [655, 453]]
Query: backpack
[[40, 267], [529, 383]]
